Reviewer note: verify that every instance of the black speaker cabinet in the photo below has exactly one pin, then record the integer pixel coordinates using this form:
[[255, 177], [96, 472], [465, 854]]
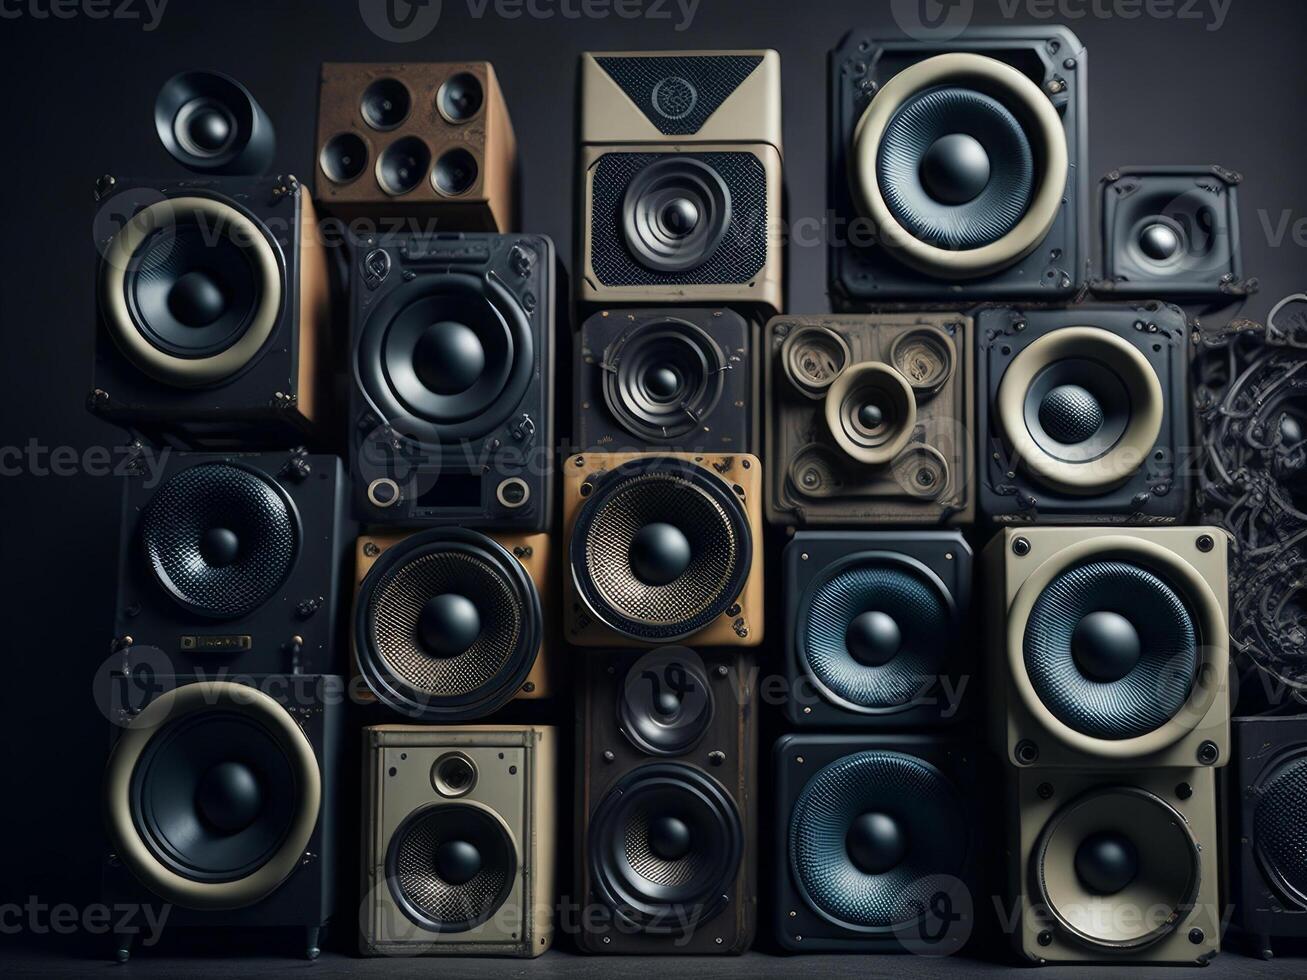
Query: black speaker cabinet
[[876, 628], [958, 167], [220, 803], [666, 800], [1266, 859], [453, 376], [1172, 231], [870, 419], [232, 564], [1084, 414], [211, 311], [666, 378], [878, 843]]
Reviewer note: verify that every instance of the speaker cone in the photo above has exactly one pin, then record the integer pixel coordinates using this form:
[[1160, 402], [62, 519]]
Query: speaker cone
[[675, 214], [813, 358], [460, 98], [451, 866], [220, 539], [661, 379], [403, 165], [385, 103], [1279, 835], [210, 122], [1117, 867], [213, 793], [191, 289], [344, 158], [455, 172], [925, 358], [448, 625], [666, 705], [446, 357], [660, 549], [665, 845], [873, 631], [873, 839], [871, 412]]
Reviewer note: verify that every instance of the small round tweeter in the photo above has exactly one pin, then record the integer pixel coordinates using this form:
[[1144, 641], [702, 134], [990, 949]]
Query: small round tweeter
[[816, 472], [922, 472], [385, 104], [871, 412], [402, 165], [453, 775], [675, 214], [343, 158], [209, 122], [926, 358], [813, 357], [460, 98], [455, 172]]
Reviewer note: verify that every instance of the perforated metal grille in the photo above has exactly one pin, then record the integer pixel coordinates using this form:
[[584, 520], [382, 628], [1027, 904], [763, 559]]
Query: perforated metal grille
[[1279, 827], [739, 257], [679, 94], [420, 883], [648, 865]]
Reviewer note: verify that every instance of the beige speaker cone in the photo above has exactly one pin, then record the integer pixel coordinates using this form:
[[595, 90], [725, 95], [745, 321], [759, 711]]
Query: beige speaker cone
[[1139, 380], [1160, 893], [218, 219], [198, 698], [1043, 126], [879, 385]]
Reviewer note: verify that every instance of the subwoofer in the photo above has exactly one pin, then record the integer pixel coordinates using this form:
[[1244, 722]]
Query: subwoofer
[[1119, 868], [1265, 790], [666, 800], [219, 800], [449, 624], [212, 309], [681, 178], [1084, 414], [209, 122], [678, 379], [459, 840], [232, 563], [958, 166], [431, 140], [662, 548], [871, 419], [1109, 649], [876, 628], [1172, 231], [878, 843], [452, 379]]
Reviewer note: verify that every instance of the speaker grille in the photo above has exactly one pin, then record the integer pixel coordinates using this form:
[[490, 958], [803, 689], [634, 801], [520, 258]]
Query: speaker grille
[[220, 538], [678, 94], [1279, 831], [1157, 686]]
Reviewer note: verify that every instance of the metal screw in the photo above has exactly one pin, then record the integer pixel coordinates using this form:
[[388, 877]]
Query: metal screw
[[1184, 791], [1027, 752], [1196, 936], [1046, 938], [1021, 547], [1205, 543], [1045, 791], [608, 755], [1208, 753]]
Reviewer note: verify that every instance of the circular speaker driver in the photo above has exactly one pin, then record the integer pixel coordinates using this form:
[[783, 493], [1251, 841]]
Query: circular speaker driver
[[663, 378], [871, 412], [344, 157], [813, 358], [675, 214], [666, 702], [1279, 836]]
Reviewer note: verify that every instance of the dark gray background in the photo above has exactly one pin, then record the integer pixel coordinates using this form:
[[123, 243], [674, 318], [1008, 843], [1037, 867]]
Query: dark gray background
[[78, 102]]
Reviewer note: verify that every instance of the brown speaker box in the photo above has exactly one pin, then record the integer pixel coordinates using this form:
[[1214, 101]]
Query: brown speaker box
[[434, 684], [459, 840], [915, 465], [428, 139], [1108, 648], [666, 802], [1114, 868], [661, 548]]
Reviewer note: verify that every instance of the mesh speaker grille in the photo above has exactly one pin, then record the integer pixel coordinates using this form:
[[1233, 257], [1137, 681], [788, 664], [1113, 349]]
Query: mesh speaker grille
[[1157, 687], [739, 257], [211, 497], [914, 795], [648, 865], [1279, 830], [924, 617], [678, 94], [660, 491]]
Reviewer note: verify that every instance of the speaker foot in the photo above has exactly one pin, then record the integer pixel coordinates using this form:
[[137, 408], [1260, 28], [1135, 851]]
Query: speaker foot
[[311, 939], [123, 947]]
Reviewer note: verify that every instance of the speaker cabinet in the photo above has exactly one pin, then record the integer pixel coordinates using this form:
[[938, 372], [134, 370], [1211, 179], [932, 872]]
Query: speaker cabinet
[[878, 844], [424, 139], [210, 123], [450, 624], [666, 822], [663, 548], [211, 310], [1084, 414], [1266, 795], [1115, 868], [681, 185], [453, 375], [958, 166], [1109, 649], [1172, 231], [219, 800], [232, 563], [459, 840], [870, 419], [678, 379], [876, 628]]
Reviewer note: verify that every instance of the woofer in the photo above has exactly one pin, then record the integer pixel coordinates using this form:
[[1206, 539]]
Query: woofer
[[191, 289], [871, 411], [447, 625], [660, 549], [403, 165], [212, 795], [663, 378], [1279, 837], [665, 705], [220, 538], [210, 122], [675, 213], [665, 846], [344, 157]]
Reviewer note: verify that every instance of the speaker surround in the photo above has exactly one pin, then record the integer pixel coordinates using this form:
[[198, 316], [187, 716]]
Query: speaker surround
[[210, 123]]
